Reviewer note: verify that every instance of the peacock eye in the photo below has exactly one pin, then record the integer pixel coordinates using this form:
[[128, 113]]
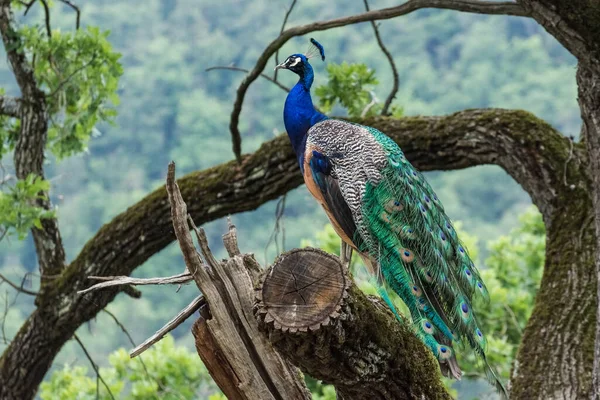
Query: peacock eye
[[293, 61]]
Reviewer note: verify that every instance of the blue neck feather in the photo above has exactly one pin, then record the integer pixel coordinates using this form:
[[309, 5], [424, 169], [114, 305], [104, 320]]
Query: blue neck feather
[[299, 114]]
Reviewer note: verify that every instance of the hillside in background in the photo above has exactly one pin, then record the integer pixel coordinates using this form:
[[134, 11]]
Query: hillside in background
[[172, 109]]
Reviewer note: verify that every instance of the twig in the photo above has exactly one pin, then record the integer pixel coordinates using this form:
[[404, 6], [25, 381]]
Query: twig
[[47, 18], [267, 77], [126, 332], [17, 287], [285, 19], [77, 10], [28, 6], [388, 55], [514, 318], [180, 216], [68, 78], [95, 366], [172, 324], [373, 101], [473, 6], [127, 280], [279, 227]]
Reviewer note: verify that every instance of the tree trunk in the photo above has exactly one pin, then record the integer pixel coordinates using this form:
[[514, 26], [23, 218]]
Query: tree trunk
[[555, 358], [575, 24], [588, 83]]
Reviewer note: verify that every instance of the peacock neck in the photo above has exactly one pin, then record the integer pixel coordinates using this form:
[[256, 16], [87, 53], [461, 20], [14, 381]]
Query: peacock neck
[[299, 115]]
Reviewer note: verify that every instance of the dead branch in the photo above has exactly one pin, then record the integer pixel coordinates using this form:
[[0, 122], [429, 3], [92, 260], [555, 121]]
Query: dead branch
[[127, 280], [260, 372], [472, 6], [169, 326], [388, 55]]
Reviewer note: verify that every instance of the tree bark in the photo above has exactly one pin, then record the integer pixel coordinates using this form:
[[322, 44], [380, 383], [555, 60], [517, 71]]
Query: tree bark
[[31, 144], [527, 148], [588, 82], [316, 316], [576, 24]]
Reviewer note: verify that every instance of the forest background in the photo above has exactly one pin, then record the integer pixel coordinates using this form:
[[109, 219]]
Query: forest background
[[171, 108]]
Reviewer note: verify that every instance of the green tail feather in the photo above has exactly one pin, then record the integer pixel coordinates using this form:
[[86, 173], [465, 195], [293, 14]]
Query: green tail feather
[[421, 257]]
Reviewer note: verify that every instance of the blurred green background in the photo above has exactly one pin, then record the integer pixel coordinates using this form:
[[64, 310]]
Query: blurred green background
[[171, 109]]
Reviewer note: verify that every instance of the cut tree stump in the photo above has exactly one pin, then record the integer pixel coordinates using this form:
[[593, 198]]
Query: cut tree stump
[[303, 290], [316, 316]]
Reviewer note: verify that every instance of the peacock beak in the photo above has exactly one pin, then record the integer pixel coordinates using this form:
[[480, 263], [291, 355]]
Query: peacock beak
[[281, 66]]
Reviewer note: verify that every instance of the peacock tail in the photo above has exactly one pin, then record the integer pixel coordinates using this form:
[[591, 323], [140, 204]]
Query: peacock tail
[[401, 225]]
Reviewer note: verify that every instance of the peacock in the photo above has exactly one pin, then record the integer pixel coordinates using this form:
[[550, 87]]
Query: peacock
[[386, 211]]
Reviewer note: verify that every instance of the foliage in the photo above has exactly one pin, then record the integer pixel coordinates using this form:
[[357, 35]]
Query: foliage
[[513, 274], [352, 86], [18, 209], [163, 372], [80, 72]]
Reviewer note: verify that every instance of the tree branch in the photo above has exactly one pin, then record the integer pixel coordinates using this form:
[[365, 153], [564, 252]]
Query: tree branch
[[511, 139], [77, 12], [472, 6], [388, 55], [18, 288], [126, 280], [180, 318], [10, 106], [574, 23]]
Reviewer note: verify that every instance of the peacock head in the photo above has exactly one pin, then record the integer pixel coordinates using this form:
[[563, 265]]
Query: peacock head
[[298, 63]]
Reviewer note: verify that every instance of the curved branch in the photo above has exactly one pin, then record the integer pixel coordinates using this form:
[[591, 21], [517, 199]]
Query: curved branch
[[472, 6], [529, 149]]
